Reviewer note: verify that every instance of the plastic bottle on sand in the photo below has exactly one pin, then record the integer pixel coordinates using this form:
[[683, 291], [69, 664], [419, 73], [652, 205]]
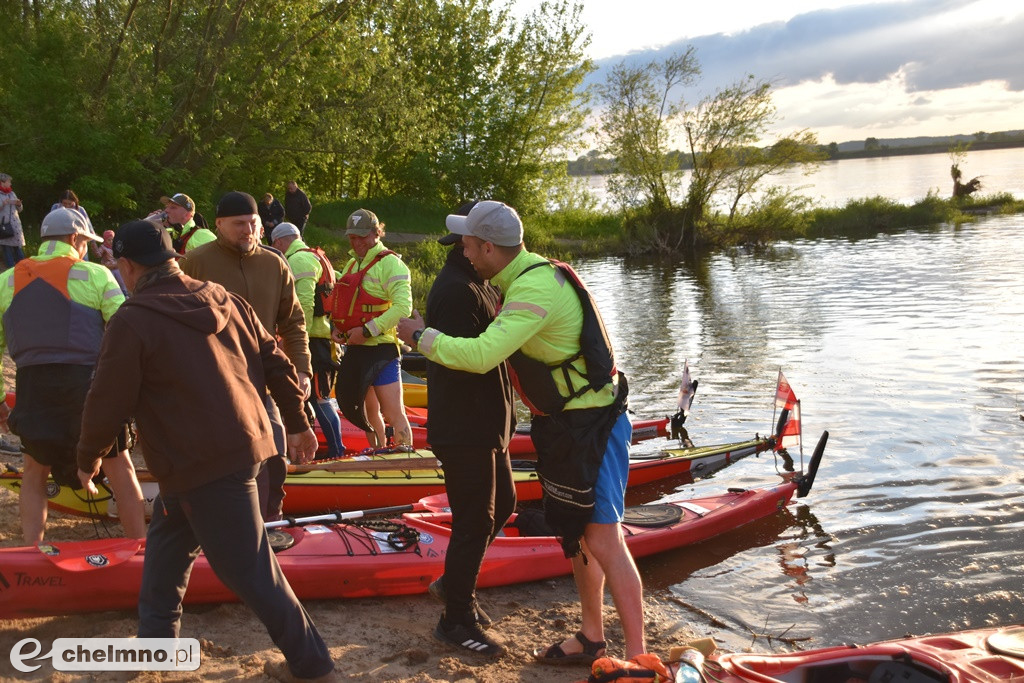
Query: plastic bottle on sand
[[691, 661]]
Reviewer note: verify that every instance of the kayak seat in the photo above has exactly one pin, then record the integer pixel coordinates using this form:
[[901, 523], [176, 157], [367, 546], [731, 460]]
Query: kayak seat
[[652, 516], [280, 540], [1009, 642]]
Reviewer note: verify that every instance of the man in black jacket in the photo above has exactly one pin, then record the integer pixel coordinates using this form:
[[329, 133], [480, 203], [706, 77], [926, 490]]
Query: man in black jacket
[[296, 206], [471, 421]]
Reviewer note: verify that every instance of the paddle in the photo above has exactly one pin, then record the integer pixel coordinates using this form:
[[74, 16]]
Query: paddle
[[77, 556]]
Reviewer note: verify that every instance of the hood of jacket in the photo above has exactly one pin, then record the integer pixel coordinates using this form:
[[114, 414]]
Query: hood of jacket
[[204, 306]]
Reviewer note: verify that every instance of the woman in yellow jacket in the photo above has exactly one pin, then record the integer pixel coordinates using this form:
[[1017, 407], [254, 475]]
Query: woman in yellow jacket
[[378, 284]]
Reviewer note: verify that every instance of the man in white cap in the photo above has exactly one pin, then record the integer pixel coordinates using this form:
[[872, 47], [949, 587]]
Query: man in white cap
[[55, 307], [308, 266], [550, 331]]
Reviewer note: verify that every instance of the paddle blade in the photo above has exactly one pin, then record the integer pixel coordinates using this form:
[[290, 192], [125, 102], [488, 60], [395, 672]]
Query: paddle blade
[[80, 556], [804, 484]]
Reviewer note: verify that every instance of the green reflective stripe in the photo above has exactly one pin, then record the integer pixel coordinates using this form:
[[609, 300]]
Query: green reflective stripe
[[75, 274], [397, 278], [111, 293], [306, 273]]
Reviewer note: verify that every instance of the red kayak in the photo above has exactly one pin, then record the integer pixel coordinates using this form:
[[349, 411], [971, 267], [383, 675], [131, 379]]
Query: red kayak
[[350, 560], [981, 655], [355, 438]]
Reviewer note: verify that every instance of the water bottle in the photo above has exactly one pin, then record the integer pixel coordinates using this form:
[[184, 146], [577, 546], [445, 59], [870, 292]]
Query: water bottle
[[691, 661]]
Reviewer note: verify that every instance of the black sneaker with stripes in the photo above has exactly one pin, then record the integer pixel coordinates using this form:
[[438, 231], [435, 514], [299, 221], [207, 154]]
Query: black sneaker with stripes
[[469, 637]]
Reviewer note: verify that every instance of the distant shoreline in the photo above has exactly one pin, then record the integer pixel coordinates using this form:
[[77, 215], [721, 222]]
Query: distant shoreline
[[583, 166]]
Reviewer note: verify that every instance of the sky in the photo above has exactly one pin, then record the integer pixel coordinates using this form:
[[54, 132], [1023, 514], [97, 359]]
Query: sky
[[844, 70]]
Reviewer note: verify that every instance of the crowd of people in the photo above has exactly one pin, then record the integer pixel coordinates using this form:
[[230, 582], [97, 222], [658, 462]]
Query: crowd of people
[[275, 326]]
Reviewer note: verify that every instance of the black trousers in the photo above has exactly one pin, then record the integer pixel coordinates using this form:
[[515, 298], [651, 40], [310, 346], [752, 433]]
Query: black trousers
[[482, 497], [223, 518]]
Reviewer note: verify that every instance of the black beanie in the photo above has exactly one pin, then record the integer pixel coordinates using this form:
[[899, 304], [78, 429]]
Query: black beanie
[[236, 204]]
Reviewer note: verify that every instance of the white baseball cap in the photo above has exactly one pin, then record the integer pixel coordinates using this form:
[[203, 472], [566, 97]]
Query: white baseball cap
[[284, 230], [490, 221], [63, 221]]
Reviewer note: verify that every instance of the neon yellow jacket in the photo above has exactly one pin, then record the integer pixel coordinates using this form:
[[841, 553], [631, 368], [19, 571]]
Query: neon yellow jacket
[[89, 284], [199, 238], [540, 314], [307, 270], [388, 279]]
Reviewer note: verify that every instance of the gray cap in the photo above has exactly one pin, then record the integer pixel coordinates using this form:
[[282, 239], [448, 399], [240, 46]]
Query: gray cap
[[490, 221], [361, 223], [284, 230], [63, 221]]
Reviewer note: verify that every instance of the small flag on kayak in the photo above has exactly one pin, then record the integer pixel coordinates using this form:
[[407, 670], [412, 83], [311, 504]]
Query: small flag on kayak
[[791, 433], [687, 390], [785, 397]]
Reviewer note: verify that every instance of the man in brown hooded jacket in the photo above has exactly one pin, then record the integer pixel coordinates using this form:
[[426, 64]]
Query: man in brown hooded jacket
[[192, 363]]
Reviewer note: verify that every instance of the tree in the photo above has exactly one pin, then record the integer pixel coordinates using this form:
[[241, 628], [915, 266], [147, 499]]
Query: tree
[[637, 125], [125, 100], [644, 113]]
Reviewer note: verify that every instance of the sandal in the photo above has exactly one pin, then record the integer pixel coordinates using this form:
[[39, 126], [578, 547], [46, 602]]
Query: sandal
[[554, 654]]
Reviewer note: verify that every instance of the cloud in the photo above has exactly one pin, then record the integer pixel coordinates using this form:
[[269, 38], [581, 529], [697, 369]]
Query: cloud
[[932, 44]]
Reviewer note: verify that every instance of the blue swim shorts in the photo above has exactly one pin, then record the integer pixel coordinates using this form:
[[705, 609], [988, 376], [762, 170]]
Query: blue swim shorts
[[610, 489], [390, 374]]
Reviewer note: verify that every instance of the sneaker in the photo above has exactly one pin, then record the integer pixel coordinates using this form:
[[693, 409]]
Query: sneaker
[[436, 590], [7, 445], [468, 637]]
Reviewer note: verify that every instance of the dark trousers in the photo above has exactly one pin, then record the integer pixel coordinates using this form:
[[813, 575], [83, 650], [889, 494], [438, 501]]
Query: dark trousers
[[223, 518], [482, 496], [270, 480], [12, 255]]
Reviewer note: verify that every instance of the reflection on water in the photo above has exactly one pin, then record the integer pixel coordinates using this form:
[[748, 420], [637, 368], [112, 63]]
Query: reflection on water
[[908, 349]]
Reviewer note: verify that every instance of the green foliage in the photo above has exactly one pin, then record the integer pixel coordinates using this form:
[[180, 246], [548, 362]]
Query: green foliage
[[637, 126], [779, 214], [869, 216], [124, 101], [644, 114]]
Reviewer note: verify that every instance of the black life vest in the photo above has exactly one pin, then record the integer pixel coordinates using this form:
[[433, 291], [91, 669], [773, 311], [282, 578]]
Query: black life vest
[[533, 378]]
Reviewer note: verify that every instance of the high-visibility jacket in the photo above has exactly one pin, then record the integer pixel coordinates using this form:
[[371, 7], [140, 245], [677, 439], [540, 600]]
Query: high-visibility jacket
[[55, 306], [307, 269], [388, 279], [540, 315]]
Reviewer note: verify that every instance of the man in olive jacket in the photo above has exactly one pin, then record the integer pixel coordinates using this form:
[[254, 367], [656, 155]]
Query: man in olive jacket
[[243, 266]]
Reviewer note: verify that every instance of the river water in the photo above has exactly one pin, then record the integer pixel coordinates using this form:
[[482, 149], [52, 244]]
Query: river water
[[909, 349], [905, 179]]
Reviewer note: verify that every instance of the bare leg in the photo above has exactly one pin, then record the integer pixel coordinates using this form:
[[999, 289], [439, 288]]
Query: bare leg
[[390, 397], [32, 501], [376, 420], [609, 561], [130, 503], [606, 544]]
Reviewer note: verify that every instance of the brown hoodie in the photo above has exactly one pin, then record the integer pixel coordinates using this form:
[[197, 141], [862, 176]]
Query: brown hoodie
[[191, 362]]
